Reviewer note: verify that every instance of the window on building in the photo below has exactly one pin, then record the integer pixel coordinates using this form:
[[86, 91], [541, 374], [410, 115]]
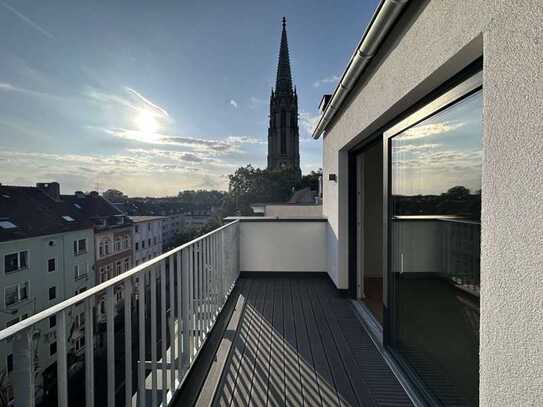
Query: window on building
[[15, 261], [102, 276], [16, 293], [80, 320], [143, 244], [117, 245], [148, 226], [12, 322], [126, 264], [52, 292], [81, 290], [126, 243], [137, 228], [52, 348], [80, 246], [106, 247], [118, 268], [52, 321], [154, 240], [435, 247], [9, 362], [137, 246], [51, 265], [100, 249], [149, 242], [80, 271]]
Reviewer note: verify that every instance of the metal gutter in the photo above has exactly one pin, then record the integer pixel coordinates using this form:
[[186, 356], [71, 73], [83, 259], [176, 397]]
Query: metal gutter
[[381, 23]]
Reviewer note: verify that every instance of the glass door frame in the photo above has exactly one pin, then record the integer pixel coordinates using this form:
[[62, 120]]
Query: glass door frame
[[463, 85]]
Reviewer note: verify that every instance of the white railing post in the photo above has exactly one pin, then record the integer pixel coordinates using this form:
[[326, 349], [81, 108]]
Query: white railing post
[[142, 333], [172, 323], [185, 286], [62, 365], [223, 267], [237, 242], [89, 352], [127, 286], [180, 315], [163, 323], [201, 275], [110, 335], [154, 398], [22, 376]]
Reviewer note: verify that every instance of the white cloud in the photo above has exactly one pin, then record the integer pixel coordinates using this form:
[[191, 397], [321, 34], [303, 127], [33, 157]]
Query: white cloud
[[308, 122], [234, 103], [430, 129], [152, 172], [148, 103], [328, 79]]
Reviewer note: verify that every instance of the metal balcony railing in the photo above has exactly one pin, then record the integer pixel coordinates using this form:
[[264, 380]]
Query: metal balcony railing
[[149, 335]]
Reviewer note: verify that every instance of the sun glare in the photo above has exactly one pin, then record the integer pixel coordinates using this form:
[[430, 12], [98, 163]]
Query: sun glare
[[147, 122]]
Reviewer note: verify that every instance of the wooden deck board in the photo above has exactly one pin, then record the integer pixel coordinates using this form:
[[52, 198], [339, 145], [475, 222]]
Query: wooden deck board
[[299, 343]]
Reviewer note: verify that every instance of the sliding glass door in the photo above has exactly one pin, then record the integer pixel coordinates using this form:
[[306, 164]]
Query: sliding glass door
[[434, 247]]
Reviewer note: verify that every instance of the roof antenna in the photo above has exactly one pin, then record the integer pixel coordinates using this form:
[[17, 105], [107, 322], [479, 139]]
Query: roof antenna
[[284, 22]]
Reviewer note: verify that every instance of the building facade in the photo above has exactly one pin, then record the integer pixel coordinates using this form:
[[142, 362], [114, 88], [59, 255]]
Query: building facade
[[47, 256], [283, 134], [147, 237], [172, 225], [432, 191]]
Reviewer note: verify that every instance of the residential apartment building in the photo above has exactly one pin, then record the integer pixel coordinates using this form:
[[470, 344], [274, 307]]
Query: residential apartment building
[[172, 225], [147, 237], [47, 256], [113, 234]]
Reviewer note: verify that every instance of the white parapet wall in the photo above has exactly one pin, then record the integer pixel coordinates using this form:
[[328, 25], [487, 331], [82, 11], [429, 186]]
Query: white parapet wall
[[293, 210], [283, 245]]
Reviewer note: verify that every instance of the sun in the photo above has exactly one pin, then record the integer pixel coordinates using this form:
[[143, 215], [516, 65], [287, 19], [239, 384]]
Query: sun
[[146, 122]]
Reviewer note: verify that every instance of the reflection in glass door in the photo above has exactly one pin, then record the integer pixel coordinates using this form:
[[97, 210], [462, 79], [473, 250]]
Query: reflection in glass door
[[435, 201]]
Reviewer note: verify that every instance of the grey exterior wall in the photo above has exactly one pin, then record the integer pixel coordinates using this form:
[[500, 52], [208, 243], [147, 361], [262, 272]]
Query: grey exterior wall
[[434, 41]]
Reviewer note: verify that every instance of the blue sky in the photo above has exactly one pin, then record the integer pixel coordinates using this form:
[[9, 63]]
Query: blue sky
[[155, 97]]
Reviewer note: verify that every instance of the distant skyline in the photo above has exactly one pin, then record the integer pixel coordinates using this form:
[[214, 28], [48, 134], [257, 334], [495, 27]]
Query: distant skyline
[[153, 98]]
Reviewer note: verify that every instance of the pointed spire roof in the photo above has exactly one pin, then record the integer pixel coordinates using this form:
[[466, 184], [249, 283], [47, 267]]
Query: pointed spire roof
[[283, 84]]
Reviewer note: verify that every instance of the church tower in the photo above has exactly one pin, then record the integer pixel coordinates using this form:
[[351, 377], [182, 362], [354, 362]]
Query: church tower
[[283, 136]]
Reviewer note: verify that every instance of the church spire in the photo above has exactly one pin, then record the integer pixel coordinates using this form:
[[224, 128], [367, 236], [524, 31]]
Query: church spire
[[283, 84]]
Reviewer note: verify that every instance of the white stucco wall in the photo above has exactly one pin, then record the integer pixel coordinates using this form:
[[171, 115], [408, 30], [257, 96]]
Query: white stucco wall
[[429, 46], [290, 211], [293, 246]]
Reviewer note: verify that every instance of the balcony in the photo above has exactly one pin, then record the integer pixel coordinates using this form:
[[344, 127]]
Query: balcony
[[245, 315]]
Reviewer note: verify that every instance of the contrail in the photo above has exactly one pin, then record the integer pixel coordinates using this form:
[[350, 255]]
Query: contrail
[[147, 101], [27, 20]]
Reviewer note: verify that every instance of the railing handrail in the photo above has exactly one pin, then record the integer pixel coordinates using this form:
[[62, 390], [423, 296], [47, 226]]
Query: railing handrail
[[46, 313]]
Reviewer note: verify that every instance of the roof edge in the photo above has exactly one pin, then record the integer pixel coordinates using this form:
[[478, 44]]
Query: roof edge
[[384, 17]]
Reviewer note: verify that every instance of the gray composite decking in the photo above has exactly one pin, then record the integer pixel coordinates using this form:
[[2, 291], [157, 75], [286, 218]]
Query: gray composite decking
[[299, 343]]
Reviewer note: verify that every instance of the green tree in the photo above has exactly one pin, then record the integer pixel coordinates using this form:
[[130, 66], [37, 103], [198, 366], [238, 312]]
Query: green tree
[[249, 185]]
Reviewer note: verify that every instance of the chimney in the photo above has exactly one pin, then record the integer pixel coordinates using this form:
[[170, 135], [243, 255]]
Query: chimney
[[51, 189], [324, 103]]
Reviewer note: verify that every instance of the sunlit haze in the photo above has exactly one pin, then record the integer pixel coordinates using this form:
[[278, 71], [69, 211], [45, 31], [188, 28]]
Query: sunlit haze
[[153, 98]]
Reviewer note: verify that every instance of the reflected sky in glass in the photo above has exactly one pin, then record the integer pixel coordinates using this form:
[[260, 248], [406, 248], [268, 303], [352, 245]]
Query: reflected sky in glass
[[441, 152]]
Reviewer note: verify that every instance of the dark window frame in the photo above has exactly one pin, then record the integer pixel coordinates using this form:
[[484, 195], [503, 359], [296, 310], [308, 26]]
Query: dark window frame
[[462, 85]]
